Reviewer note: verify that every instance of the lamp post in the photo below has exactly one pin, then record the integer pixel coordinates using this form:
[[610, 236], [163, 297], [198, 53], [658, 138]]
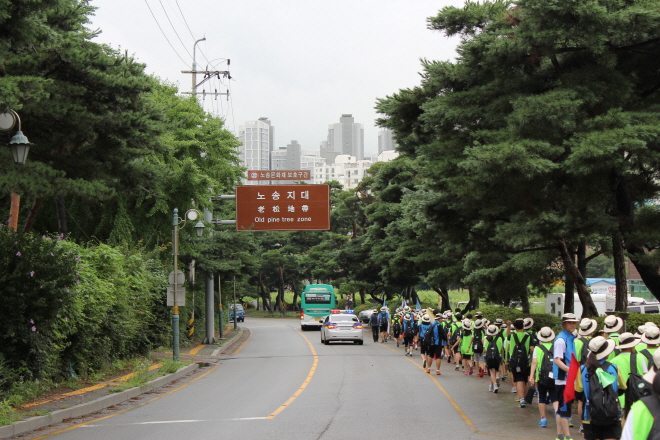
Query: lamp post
[[192, 215], [20, 147]]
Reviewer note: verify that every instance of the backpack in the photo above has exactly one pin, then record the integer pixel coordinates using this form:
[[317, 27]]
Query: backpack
[[653, 405], [637, 386], [604, 407], [410, 330], [519, 358], [396, 327], [545, 374], [454, 334], [382, 318], [534, 341], [492, 355], [373, 320], [428, 336], [477, 342]]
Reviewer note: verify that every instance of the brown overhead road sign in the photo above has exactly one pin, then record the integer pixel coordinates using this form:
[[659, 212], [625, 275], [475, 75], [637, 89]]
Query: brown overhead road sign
[[283, 207], [279, 175]]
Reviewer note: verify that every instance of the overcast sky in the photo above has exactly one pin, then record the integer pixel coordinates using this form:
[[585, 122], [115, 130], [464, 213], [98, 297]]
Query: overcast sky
[[300, 63]]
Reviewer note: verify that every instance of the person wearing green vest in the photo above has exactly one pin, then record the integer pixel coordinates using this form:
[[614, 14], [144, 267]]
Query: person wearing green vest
[[613, 325], [586, 330], [640, 331], [455, 329], [465, 344], [543, 351], [651, 340], [645, 411], [627, 342], [493, 358], [518, 356]]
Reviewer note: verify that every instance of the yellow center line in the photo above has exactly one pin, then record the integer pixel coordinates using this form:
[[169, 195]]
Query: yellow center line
[[129, 409], [453, 403], [305, 382], [87, 389]]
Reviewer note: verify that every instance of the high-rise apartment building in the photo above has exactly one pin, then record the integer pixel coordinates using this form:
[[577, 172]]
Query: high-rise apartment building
[[256, 145], [286, 158], [345, 137], [386, 141]]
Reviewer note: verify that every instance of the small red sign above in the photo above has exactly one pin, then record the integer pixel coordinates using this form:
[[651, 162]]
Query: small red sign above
[[279, 175], [283, 207]]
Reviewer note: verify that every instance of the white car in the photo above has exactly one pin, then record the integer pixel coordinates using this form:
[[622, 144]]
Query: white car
[[340, 326], [365, 315]]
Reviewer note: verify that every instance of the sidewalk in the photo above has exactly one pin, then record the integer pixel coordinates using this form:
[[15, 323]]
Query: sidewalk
[[66, 403]]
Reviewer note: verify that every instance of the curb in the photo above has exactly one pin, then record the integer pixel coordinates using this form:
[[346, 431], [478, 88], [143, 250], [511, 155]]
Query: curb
[[90, 407]]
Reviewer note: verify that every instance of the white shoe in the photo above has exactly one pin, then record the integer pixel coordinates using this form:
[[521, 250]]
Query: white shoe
[[496, 388], [514, 390], [490, 387]]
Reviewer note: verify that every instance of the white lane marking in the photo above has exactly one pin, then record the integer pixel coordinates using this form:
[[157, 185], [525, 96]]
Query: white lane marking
[[169, 421], [215, 352], [250, 418]]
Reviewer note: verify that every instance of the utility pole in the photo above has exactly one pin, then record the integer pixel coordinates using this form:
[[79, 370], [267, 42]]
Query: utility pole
[[208, 74]]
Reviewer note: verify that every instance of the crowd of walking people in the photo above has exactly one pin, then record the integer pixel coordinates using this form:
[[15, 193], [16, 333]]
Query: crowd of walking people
[[607, 375]]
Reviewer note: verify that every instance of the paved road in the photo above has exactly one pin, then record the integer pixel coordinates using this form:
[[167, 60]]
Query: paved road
[[284, 384]]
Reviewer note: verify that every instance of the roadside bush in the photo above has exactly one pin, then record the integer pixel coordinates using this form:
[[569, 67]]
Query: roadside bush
[[38, 277], [69, 309]]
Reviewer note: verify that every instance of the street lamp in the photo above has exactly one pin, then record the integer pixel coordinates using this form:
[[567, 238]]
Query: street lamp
[[19, 144], [20, 147], [192, 215]]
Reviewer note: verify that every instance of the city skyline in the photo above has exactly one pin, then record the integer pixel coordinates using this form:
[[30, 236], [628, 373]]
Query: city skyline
[[299, 64]]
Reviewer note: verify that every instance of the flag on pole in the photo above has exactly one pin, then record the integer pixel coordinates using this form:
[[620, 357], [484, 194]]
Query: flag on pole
[[569, 391], [384, 302], [417, 306], [403, 304]]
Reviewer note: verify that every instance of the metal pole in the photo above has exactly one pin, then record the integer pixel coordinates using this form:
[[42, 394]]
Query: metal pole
[[175, 309], [235, 312], [210, 321], [194, 68], [220, 323]]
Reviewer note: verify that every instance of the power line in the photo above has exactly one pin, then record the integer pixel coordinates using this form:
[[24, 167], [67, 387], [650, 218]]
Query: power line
[[174, 29], [191, 34], [161, 30]]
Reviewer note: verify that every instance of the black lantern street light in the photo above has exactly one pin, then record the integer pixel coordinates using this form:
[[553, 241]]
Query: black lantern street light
[[19, 144]]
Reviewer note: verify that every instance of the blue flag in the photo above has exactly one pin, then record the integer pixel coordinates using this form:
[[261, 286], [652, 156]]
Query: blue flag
[[403, 304], [417, 306]]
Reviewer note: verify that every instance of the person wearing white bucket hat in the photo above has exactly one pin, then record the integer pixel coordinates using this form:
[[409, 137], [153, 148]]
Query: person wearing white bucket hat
[[628, 361], [465, 343], [609, 374], [650, 338], [493, 356], [564, 349], [540, 372], [612, 326], [586, 330]]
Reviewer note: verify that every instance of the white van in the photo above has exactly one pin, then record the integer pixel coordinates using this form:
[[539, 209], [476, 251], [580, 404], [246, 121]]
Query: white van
[[647, 308], [604, 302]]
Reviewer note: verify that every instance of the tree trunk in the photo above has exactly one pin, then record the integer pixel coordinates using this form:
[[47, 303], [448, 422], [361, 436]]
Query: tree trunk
[[361, 293], [61, 216], [582, 259], [569, 293], [473, 303], [626, 215], [621, 304], [588, 307], [36, 206], [280, 292], [265, 296], [442, 291], [524, 300]]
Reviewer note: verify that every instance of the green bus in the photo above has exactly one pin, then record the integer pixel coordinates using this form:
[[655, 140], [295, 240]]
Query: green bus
[[316, 301]]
